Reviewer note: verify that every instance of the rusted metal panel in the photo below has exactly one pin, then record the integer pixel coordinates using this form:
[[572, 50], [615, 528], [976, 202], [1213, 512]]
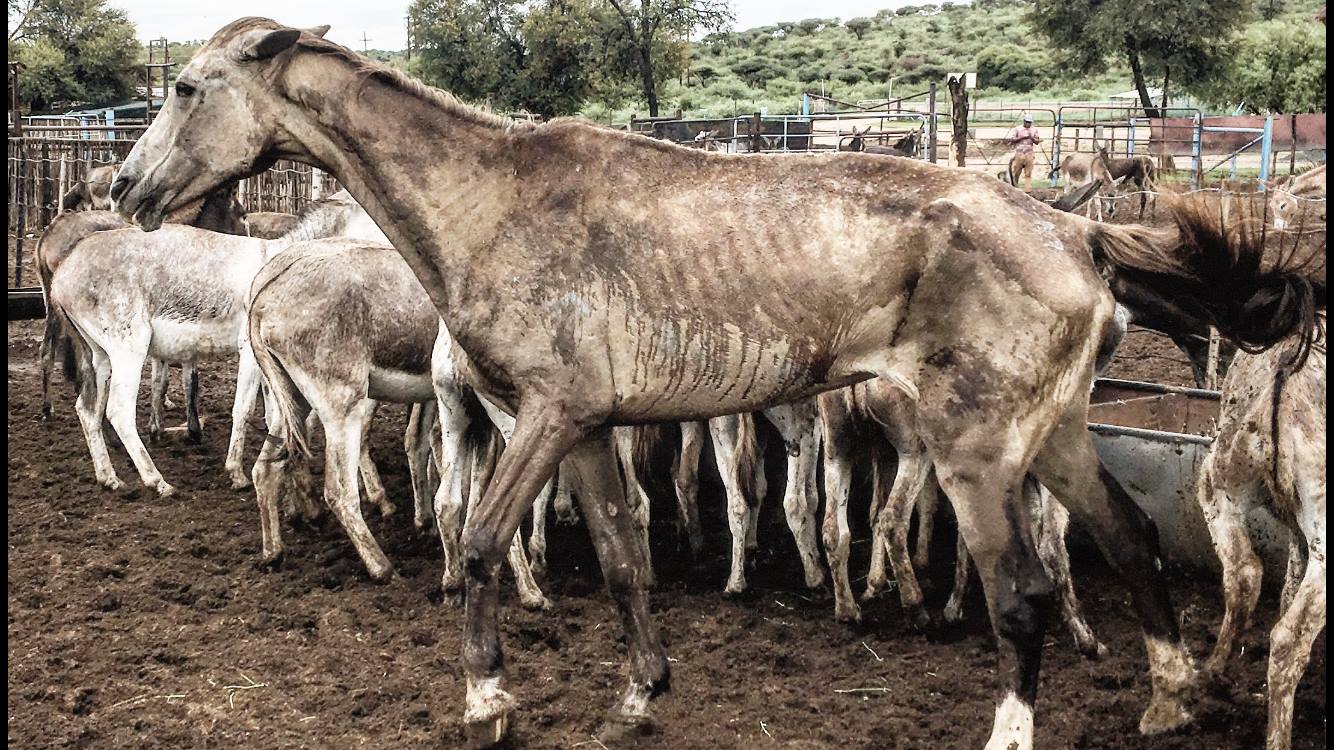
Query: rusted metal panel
[[1152, 438], [1159, 475]]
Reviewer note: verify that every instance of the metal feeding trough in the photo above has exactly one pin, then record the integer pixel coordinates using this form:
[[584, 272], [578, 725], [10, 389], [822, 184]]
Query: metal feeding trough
[[1153, 438]]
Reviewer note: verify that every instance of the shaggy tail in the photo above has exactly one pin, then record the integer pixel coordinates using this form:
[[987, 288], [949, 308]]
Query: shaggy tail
[[747, 454], [285, 395], [645, 440], [1215, 272]]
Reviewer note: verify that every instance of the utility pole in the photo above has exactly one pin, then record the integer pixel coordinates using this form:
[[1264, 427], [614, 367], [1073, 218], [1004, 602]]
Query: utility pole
[[364, 41]]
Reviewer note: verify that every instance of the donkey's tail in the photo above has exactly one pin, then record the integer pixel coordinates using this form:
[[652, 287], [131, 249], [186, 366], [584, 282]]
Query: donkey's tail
[[1213, 269], [747, 454], [644, 441], [285, 396]]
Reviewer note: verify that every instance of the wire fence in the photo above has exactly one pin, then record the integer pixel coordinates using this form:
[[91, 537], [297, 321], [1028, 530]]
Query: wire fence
[[46, 163]]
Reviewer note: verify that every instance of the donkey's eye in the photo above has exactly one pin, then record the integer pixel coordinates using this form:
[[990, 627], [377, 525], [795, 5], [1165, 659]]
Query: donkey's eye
[[184, 90]]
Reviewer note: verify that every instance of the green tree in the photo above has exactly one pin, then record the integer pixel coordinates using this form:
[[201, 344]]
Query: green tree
[[1186, 38], [648, 24], [516, 55], [1278, 67], [1009, 67], [859, 26], [74, 51]]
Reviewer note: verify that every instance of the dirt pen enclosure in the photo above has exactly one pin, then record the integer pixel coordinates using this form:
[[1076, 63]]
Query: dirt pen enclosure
[[141, 622]]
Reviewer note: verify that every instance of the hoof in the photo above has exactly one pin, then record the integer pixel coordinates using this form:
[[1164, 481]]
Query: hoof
[[871, 592], [815, 580], [850, 613], [195, 435], [113, 484], [620, 730], [165, 490], [240, 483], [387, 510], [953, 614], [451, 593], [1095, 652], [381, 574], [734, 589], [918, 618], [1163, 715], [271, 561], [536, 604], [486, 733]]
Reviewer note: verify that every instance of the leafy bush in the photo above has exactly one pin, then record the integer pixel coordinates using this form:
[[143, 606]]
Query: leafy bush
[[1009, 67]]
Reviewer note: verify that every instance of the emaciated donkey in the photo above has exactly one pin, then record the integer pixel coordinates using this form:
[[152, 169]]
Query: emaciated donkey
[[336, 327], [1270, 452], [746, 281]]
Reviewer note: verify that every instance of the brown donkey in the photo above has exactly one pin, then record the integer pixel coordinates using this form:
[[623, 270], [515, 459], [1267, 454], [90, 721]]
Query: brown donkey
[[597, 278]]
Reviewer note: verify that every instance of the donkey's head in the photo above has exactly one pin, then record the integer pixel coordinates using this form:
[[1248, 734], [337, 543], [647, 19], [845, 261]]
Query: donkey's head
[[223, 121], [856, 141]]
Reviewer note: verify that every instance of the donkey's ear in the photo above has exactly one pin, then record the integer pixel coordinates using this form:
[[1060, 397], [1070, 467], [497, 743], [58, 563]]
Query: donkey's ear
[[318, 31], [270, 44]]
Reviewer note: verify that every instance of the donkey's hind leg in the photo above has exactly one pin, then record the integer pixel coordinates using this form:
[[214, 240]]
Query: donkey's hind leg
[[836, 422], [370, 473], [418, 444], [992, 519], [686, 480], [342, 449], [127, 363], [1070, 468], [91, 406], [928, 503], [1052, 523], [724, 431], [190, 383], [636, 497], [159, 378], [799, 425], [1225, 510], [1302, 620]]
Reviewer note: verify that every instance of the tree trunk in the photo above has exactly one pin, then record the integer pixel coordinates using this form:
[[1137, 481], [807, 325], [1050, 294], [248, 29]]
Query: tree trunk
[[1137, 70], [959, 118], [1166, 75], [646, 77]]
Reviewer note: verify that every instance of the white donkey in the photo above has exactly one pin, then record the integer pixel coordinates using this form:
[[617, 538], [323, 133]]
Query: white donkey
[[177, 296]]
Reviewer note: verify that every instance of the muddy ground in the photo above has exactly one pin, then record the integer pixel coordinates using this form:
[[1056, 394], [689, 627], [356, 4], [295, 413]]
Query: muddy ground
[[138, 622]]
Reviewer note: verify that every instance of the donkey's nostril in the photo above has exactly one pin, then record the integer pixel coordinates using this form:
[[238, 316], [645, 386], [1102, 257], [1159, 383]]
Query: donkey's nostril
[[119, 186]]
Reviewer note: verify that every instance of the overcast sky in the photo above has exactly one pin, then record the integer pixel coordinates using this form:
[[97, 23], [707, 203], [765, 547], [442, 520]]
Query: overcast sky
[[382, 23]]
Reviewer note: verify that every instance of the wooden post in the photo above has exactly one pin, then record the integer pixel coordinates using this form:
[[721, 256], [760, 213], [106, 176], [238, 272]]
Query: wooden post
[[62, 186], [1292, 155], [44, 189], [21, 220], [931, 127], [959, 121], [756, 133], [14, 100], [1211, 364]]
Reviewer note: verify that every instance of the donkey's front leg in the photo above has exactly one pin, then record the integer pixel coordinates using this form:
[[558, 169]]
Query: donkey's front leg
[[615, 538], [543, 434], [247, 388]]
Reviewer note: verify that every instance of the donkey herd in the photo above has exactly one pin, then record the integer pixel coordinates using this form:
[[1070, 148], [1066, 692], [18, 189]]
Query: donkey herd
[[541, 295]]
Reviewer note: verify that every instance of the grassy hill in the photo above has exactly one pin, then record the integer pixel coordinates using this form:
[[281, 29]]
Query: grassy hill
[[768, 68]]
